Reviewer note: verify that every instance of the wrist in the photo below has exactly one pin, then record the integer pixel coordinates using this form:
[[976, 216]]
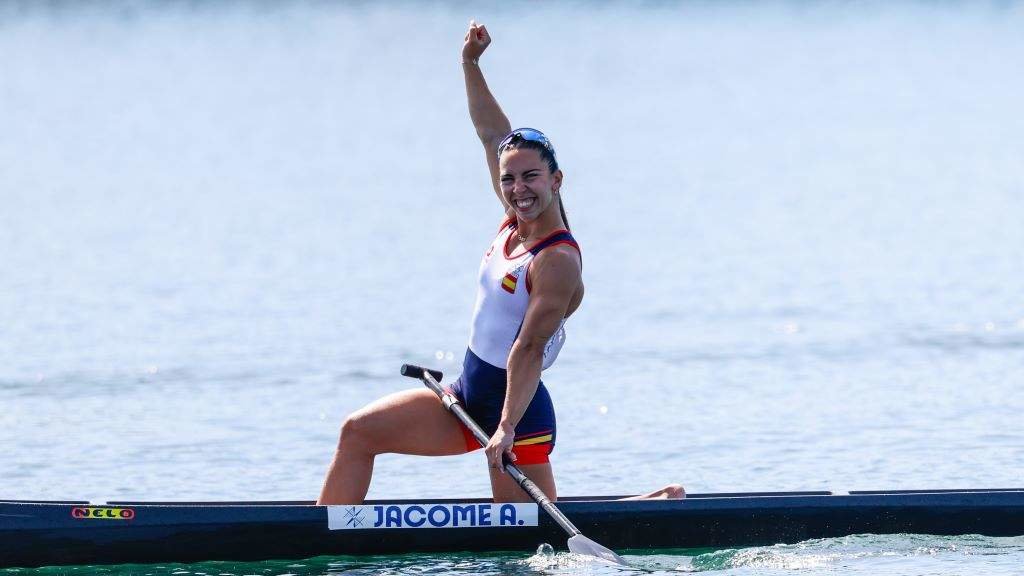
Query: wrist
[[470, 61]]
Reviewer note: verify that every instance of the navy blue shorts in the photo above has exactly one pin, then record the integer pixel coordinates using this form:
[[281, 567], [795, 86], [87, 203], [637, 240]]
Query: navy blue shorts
[[481, 391]]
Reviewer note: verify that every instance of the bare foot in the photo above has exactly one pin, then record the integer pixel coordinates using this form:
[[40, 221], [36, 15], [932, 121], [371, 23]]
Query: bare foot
[[670, 492]]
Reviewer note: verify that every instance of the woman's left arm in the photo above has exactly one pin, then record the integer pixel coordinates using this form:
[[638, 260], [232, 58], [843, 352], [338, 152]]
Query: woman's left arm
[[555, 276]]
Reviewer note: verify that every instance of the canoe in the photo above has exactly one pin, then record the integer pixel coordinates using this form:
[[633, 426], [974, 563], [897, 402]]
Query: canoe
[[51, 533]]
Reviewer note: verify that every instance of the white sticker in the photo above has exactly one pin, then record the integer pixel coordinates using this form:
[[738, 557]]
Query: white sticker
[[468, 515]]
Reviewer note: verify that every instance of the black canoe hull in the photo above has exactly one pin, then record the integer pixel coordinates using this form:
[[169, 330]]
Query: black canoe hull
[[68, 533]]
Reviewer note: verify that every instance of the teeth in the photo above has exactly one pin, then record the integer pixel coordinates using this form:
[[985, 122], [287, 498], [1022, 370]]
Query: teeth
[[524, 203]]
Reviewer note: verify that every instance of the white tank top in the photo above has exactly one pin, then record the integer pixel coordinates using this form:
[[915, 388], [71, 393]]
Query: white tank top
[[503, 295]]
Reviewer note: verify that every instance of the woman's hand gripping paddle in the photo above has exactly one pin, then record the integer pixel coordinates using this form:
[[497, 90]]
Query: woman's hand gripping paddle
[[578, 543]]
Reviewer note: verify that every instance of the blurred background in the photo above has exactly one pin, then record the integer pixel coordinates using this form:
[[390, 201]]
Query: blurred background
[[225, 225]]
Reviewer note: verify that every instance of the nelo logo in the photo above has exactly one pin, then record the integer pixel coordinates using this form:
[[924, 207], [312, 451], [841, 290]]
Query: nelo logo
[[103, 513]]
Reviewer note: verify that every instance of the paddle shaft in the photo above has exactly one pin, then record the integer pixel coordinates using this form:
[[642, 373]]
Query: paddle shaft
[[430, 379]]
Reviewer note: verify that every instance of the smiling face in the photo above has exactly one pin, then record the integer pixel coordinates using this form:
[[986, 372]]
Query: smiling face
[[527, 183]]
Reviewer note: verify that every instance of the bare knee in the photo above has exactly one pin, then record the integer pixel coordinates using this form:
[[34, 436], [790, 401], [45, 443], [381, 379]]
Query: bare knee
[[669, 492], [356, 433], [675, 491]]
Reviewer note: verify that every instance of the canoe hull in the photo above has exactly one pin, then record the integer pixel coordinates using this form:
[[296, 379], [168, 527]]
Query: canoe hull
[[47, 534]]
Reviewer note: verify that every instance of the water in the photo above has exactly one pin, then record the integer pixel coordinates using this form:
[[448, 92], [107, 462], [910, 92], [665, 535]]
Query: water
[[225, 226], [864, 554]]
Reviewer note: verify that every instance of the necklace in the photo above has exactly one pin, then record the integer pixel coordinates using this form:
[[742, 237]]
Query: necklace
[[521, 239]]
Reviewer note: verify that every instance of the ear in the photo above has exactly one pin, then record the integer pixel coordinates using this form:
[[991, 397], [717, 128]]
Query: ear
[[558, 181]]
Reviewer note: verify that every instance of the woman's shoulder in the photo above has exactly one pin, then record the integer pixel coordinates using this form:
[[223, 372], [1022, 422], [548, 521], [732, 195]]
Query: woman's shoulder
[[562, 257]]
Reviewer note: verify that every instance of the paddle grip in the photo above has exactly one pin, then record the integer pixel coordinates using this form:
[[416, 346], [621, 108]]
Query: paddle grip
[[413, 371]]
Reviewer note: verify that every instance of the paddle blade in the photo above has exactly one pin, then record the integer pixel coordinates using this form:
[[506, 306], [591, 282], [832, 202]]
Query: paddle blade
[[580, 544]]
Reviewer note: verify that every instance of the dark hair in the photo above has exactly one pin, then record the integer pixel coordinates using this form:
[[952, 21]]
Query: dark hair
[[547, 154]]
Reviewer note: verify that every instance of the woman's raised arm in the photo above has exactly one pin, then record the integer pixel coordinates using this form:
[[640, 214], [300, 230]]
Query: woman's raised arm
[[490, 122]]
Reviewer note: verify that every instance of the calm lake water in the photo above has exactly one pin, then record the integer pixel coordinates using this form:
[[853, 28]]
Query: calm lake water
[[224, 226]]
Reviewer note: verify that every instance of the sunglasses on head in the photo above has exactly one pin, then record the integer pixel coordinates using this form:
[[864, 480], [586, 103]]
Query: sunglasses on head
[[525, 134]]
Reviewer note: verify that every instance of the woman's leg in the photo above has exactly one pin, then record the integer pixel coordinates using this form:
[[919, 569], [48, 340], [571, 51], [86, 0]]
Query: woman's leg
[[409, 422], [669, 492], [505, 489]]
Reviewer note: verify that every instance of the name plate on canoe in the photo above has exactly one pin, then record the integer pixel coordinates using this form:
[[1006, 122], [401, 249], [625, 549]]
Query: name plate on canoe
[[468, 515]]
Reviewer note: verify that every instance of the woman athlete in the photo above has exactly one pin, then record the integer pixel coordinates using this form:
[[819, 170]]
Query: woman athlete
[[530, 283]]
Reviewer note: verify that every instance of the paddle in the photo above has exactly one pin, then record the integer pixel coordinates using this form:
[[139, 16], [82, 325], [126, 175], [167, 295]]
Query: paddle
[[578, 543]]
